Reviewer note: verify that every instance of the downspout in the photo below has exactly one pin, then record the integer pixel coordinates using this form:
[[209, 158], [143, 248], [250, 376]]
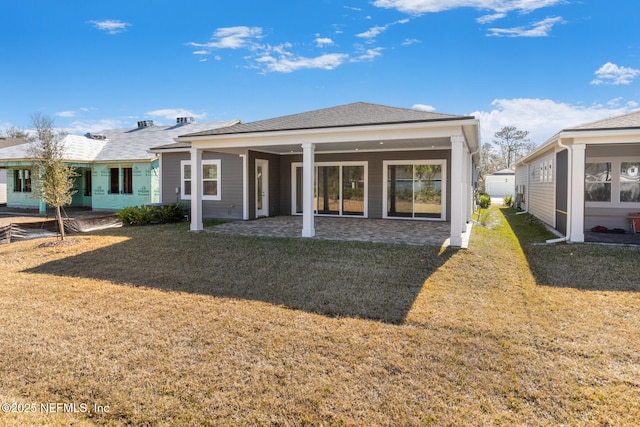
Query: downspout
[[569, 193], [527, 190]]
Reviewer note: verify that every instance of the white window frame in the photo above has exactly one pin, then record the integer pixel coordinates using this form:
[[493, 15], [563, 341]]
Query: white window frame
[[217, 163], [443, 186], [363, 163], [615, 182]]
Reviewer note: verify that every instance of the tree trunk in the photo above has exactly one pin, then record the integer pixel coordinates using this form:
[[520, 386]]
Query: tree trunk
[[60, 222]]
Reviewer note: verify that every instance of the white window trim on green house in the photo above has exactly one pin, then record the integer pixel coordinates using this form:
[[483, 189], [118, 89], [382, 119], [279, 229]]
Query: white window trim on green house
[[214, 175]]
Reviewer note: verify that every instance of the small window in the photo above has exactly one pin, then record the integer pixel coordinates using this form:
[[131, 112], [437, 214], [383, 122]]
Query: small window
[[127, 180], [210, 179], [597, 183], [114, 180], [22, 180]]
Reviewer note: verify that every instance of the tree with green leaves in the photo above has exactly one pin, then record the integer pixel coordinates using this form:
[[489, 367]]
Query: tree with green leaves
[[55, 180], [513, 144]]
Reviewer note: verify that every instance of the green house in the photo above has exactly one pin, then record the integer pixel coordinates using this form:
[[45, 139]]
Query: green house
[[114, 167]]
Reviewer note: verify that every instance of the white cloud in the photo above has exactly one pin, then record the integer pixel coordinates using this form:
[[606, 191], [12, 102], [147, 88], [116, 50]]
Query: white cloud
[[368, 55], [612, 74], [80, 127], [110, 26], [231, 38], [323, 41], [537, 29], [288, 63], [419, 7], [172, 113], [486, 19], [66, 114], [543, 118], [423, 107], [375, 31], [408, 42]]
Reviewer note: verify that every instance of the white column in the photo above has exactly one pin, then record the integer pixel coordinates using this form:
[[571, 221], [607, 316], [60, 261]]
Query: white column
[[458, 215], [308, 153], [245, 186], [196, 189], [576, 206]]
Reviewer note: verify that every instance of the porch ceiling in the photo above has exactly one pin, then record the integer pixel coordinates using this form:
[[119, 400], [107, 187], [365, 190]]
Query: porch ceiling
[[349, 146]]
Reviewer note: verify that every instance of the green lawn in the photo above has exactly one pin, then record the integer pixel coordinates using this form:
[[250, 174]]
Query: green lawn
[[159, 326]]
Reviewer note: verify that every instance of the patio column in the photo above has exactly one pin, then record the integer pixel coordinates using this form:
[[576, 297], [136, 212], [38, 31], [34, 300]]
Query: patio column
[[196, 189], [308, 153], [458, 194], [576, 203]]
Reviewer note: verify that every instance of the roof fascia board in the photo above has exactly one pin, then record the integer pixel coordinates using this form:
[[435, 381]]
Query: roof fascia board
[[332, 135]]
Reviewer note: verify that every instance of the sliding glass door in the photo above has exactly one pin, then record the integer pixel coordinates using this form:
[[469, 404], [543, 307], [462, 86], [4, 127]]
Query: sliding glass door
[[339, 189], [414, 189]]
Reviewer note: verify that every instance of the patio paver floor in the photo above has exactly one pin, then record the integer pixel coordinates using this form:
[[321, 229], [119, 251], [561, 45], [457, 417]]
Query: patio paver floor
[[422, 233]]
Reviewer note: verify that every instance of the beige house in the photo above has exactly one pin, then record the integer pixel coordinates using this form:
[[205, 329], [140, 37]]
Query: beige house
[[583, 177]]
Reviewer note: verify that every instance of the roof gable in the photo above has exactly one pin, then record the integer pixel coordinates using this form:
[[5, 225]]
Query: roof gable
[[356, 114]]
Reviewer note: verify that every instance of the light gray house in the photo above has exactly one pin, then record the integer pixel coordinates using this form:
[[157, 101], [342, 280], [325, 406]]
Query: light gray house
[[585, 176], [357, 160]]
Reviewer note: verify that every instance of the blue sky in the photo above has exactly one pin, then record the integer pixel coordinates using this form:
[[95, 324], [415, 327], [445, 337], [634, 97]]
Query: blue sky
[[540, 65]]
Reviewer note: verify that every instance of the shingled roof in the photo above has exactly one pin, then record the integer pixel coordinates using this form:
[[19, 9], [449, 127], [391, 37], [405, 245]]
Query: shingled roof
[[626, 121], [356, 114]]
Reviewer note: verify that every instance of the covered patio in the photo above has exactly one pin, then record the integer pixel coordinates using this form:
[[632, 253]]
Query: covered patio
[[418, 233]]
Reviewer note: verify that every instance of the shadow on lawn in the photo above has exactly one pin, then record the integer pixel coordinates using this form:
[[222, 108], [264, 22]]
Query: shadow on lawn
[[579, 266], [351, 279]]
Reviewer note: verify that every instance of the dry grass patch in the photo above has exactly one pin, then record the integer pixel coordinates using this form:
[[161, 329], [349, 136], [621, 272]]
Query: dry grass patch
[[167, 327]]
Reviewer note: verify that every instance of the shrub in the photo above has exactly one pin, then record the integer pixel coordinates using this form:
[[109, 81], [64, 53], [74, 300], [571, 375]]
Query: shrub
[[143, 215], [484, 201], [508, 200]]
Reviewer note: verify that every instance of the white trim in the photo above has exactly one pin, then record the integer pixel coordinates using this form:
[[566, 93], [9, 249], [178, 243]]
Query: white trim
[[443, 186], [364, 163], [184, 163], [245, 187], [264, 212], [615, 182]]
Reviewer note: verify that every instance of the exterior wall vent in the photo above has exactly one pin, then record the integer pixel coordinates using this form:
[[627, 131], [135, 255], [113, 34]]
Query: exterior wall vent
[[145, 124], [96, 136], [185, 120]]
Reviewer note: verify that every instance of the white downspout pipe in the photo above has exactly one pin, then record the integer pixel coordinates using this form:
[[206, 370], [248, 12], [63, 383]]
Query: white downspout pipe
[[526, 202]]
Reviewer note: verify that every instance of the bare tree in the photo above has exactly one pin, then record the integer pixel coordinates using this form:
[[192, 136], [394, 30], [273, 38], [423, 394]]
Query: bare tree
[[14, 132], [55, 183], [512, 143]]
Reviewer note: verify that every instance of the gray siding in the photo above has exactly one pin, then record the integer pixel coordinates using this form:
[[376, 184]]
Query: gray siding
[[375, 171], [230, 205]]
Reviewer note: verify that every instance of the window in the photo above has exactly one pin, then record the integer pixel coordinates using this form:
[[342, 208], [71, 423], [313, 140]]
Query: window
[[127, 180], [414, 189], [210, 179], [339, 189], [630, 182], [87, 182], [114, 180], [22, 180], [597, 185]]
